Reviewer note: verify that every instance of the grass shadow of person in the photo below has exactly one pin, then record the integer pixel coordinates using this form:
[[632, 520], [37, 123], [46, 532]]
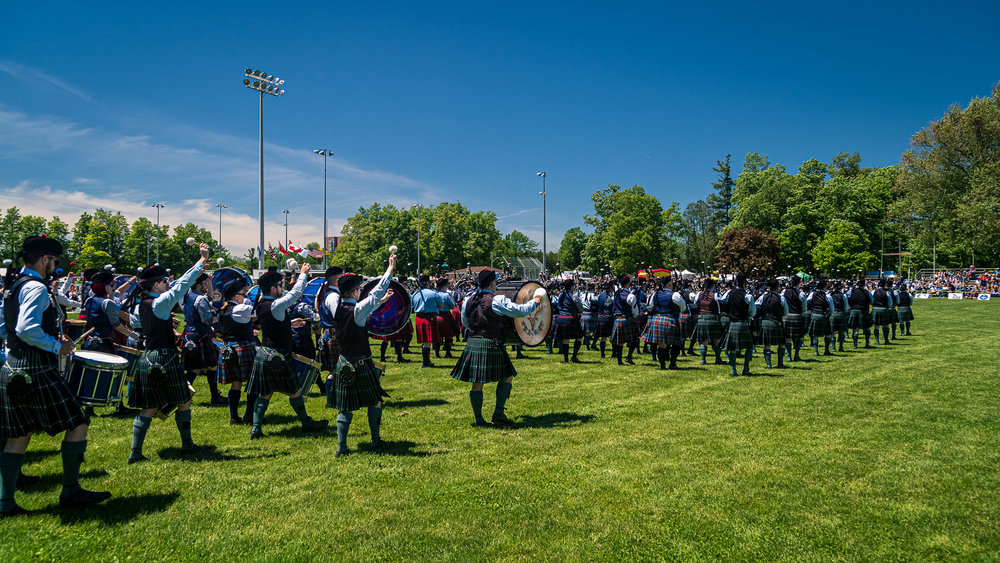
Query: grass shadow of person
[[31, 456], [54, 480], [209, 453], [400, 448], [401, 404], [553, 420], [117, 510]]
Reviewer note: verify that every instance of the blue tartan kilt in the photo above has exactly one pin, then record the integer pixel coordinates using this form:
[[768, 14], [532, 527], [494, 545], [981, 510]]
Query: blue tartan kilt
[[203, 355], [881, 316], [624, 332], [819, 326], [366, 389], [858, 319], [838, 321], [707, 329], [604, 327], [905, 314], [483, 360], [52, 407], [771, 333], [245, 353], [174, 390], [795, 326], [663, 329], [567, 327], [264, 381], [738, 337], [329, 350], [588, 323]]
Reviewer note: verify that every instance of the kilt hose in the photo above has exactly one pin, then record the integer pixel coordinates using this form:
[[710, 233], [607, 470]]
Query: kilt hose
[[707, 329], [329, 350], [859, 320], [245, 353], [838, 321], [881, 316], [52, 407], [819, 326], [605, 325], [567, 327], [171, 389], [484, 360], [905, 314], [795, 327], [426, 328], [738, 337], [364, 391], [279, 377], [203, 355], [771, 333], [624, 332], [663, 329]]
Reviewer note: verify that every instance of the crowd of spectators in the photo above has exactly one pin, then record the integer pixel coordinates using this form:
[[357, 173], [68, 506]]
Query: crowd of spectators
[[965, 280]]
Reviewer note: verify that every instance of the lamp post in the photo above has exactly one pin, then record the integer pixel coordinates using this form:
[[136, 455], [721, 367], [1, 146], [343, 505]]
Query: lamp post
[[262, 83], [419, 207], [286, 212], [158, 206], [221, 206], [325, 153], [543, 193]]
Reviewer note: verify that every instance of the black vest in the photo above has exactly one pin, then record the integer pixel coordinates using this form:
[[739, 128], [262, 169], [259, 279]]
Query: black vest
[[770, 307], [158, 333], [739, 309], [839, 303], [858, 300], [483, 321], [274, 333], [566, 306], [233, 331], [663, 303], [51, 321], [707, 304], [880, 298], [818, 303], [791, 295], [353, 339], [621, 307], [905, 300]]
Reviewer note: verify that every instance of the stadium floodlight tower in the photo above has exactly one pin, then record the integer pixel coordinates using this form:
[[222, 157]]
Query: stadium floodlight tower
[[263, 83]]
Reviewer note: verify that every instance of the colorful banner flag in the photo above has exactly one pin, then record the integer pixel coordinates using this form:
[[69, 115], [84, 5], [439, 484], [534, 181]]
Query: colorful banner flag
[[984, 296]]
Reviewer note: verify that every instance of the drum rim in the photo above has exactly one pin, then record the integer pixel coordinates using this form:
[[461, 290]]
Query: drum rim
[[83, 356]]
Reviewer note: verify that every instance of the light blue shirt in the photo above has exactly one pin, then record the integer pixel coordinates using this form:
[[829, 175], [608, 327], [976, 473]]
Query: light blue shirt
[[446, 300], [426, 300], [367, 306], [164, 302], [32, 301], [501, 306]]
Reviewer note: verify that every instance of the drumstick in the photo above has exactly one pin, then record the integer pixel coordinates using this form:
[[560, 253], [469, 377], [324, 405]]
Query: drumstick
[[82, 336]]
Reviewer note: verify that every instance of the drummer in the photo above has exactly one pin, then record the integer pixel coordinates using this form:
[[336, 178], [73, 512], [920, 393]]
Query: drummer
[[33, 396], [103, 316], [200, 355], [236, 360], [484, 359], [159, 380], [329, 351]]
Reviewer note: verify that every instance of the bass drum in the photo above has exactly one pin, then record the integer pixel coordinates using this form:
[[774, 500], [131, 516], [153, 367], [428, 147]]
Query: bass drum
[[311, 291], [225, 276], [253, 294], [393, 315], [530, 330]]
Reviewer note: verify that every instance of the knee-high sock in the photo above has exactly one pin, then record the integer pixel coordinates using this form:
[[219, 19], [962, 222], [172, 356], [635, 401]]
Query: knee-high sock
[[576, 349], [259, 409], [885, 334], [213, 383], [603, 347], [564, 349], [503, 393], [855, 337], [384, 347], [343, 425], [653, 350], [10, 469], [398, 346], [374, 421], [548, 345], [427, 356], [815, 343], [893, 325], [139, 428], [798, 346], [675, 351], [747, 354], [72, 457], [183, 419], [868, 334], [732, 362], [476, 398], [788, 350], [767, 358], [234, 403], [718, 352], [251, 405], [703, 350], [826, 347], [631, 350], [298, 405]]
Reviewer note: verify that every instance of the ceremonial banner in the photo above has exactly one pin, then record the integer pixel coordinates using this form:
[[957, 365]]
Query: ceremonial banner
[[984, 296], [954, 296], [922, 296]]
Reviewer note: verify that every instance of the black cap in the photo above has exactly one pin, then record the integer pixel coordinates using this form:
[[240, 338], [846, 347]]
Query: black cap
[[201, 278], [41, 246], [349, 283], [333, 271], [442, 283], [425, 279], [151, 273], [88, 274], [102, 277], [268, 280], [233, 287], [485, 278]]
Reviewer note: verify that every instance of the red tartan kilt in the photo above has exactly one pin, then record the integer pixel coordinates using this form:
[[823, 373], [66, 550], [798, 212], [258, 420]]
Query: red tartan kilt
[[404, 334], [456, 315], [446, 325], [426, 328]]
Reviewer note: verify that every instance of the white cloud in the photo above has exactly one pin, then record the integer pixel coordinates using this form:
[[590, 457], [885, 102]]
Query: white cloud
[[34, 76]]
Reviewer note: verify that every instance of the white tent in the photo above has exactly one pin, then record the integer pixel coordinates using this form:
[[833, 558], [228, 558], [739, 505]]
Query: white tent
[[688, 274]]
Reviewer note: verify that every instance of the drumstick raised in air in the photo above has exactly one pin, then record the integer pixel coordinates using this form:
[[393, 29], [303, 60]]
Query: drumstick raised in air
[[82, 336]]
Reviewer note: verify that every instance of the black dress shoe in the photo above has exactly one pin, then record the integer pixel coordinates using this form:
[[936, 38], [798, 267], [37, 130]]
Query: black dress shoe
[[500, 419], [24, 481], [481, 423], [220, 400], [311, 425], [83, 497], [256, 434], [141, 458], [16, 511]]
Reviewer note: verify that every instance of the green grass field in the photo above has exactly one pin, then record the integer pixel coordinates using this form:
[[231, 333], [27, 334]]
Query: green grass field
[[890, 453]]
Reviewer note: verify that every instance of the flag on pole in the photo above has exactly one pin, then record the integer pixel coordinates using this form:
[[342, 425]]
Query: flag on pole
[[316, 253], [300, 251], [282, 250]]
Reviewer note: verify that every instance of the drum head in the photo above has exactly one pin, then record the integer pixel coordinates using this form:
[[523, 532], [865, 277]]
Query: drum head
[[533, 329], [311, 290], [224, 276], [253, 294], [99, 358], [392, 316]]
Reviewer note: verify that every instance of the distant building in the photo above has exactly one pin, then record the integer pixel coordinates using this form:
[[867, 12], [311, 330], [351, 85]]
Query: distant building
[[524, 268]]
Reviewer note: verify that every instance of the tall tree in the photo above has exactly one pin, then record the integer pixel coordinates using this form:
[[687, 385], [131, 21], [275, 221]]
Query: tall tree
[[721, 201], [571, 248], [748, 250]]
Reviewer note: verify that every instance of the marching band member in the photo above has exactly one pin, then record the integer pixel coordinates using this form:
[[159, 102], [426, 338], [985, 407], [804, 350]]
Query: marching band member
[[588, 318], [859, 299], [625, 309], [485, 359], [33, 395], [838, 319], [793, 322], [820, 306], [664, 331], [737, 338], [426, 305], [567, 322], [771, 308], [358, 386], [708, 328], [200, 355], [240, 348], [881, 317], [605, 322], [329, 350], [159, 379], [446, 325], [103, 315], [905, 310]]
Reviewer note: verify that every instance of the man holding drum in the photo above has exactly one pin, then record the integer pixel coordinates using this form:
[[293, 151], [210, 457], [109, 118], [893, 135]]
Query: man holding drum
[[33, 395]]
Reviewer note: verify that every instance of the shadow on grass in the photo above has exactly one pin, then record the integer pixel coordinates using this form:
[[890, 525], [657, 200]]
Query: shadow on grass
[[32, 456], [210, 453], [416, 403], [553, 420], [401, 448], [117, 510], [296, 432], [55, 480]]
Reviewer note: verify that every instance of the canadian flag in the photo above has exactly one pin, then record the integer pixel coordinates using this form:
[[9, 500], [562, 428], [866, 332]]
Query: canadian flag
[[297, 250]]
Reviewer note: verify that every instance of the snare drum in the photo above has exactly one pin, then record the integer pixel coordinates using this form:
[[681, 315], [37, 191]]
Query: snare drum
[[131, 356], [97, 378], [306, 371], [74, 329]]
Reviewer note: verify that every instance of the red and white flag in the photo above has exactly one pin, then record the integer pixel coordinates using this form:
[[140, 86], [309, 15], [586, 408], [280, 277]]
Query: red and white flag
[[301, 252]]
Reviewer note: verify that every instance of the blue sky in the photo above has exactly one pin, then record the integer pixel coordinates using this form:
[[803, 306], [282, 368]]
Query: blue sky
[[123, 104]]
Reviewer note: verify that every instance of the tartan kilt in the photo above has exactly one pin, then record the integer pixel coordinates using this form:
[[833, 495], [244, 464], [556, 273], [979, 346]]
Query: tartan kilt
[[641, 321], [707, 329], [738, 337], [881, 316], [603, 327], [427, 330], [403, 334], [685, 323], [819, 326], [567, 327], [588, 323], [305, 346], [858, 319], [838, 321], [329, 350], [245, 352], [795, 326], [144, 395], [663, 329], [893, 315], [724, 322], [446, 326], [365, 392], [265, 382], [483, 360], [204, 355], [771, 333], [806, 319], [624, 332], [905, 314], [52, 408]]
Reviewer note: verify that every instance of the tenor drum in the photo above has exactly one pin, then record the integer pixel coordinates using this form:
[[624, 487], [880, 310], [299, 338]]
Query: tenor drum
[[392, 316], [74, 329], [131, 356], [97, 378], [530, 330], [306, 371], [253, 294]]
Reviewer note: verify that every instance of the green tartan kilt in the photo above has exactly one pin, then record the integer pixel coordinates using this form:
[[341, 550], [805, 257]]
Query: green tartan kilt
[[905, 314], [838, 322], [806, 320], [366, 391], [484, 360], [738, 337], [707, 329], [174, 391], [52, 408], [264, 381], [819, 325], [625, 331], [893, 316], [795, 327], [859, 320], [881, 316], [724, 323], [771, 333]]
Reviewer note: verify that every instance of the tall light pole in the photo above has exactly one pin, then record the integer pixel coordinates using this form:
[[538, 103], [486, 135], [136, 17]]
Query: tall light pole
[[325, 153], [221, 206], [419, 207], [286, 212], [158, 207], [263, 83], [543, 193]]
